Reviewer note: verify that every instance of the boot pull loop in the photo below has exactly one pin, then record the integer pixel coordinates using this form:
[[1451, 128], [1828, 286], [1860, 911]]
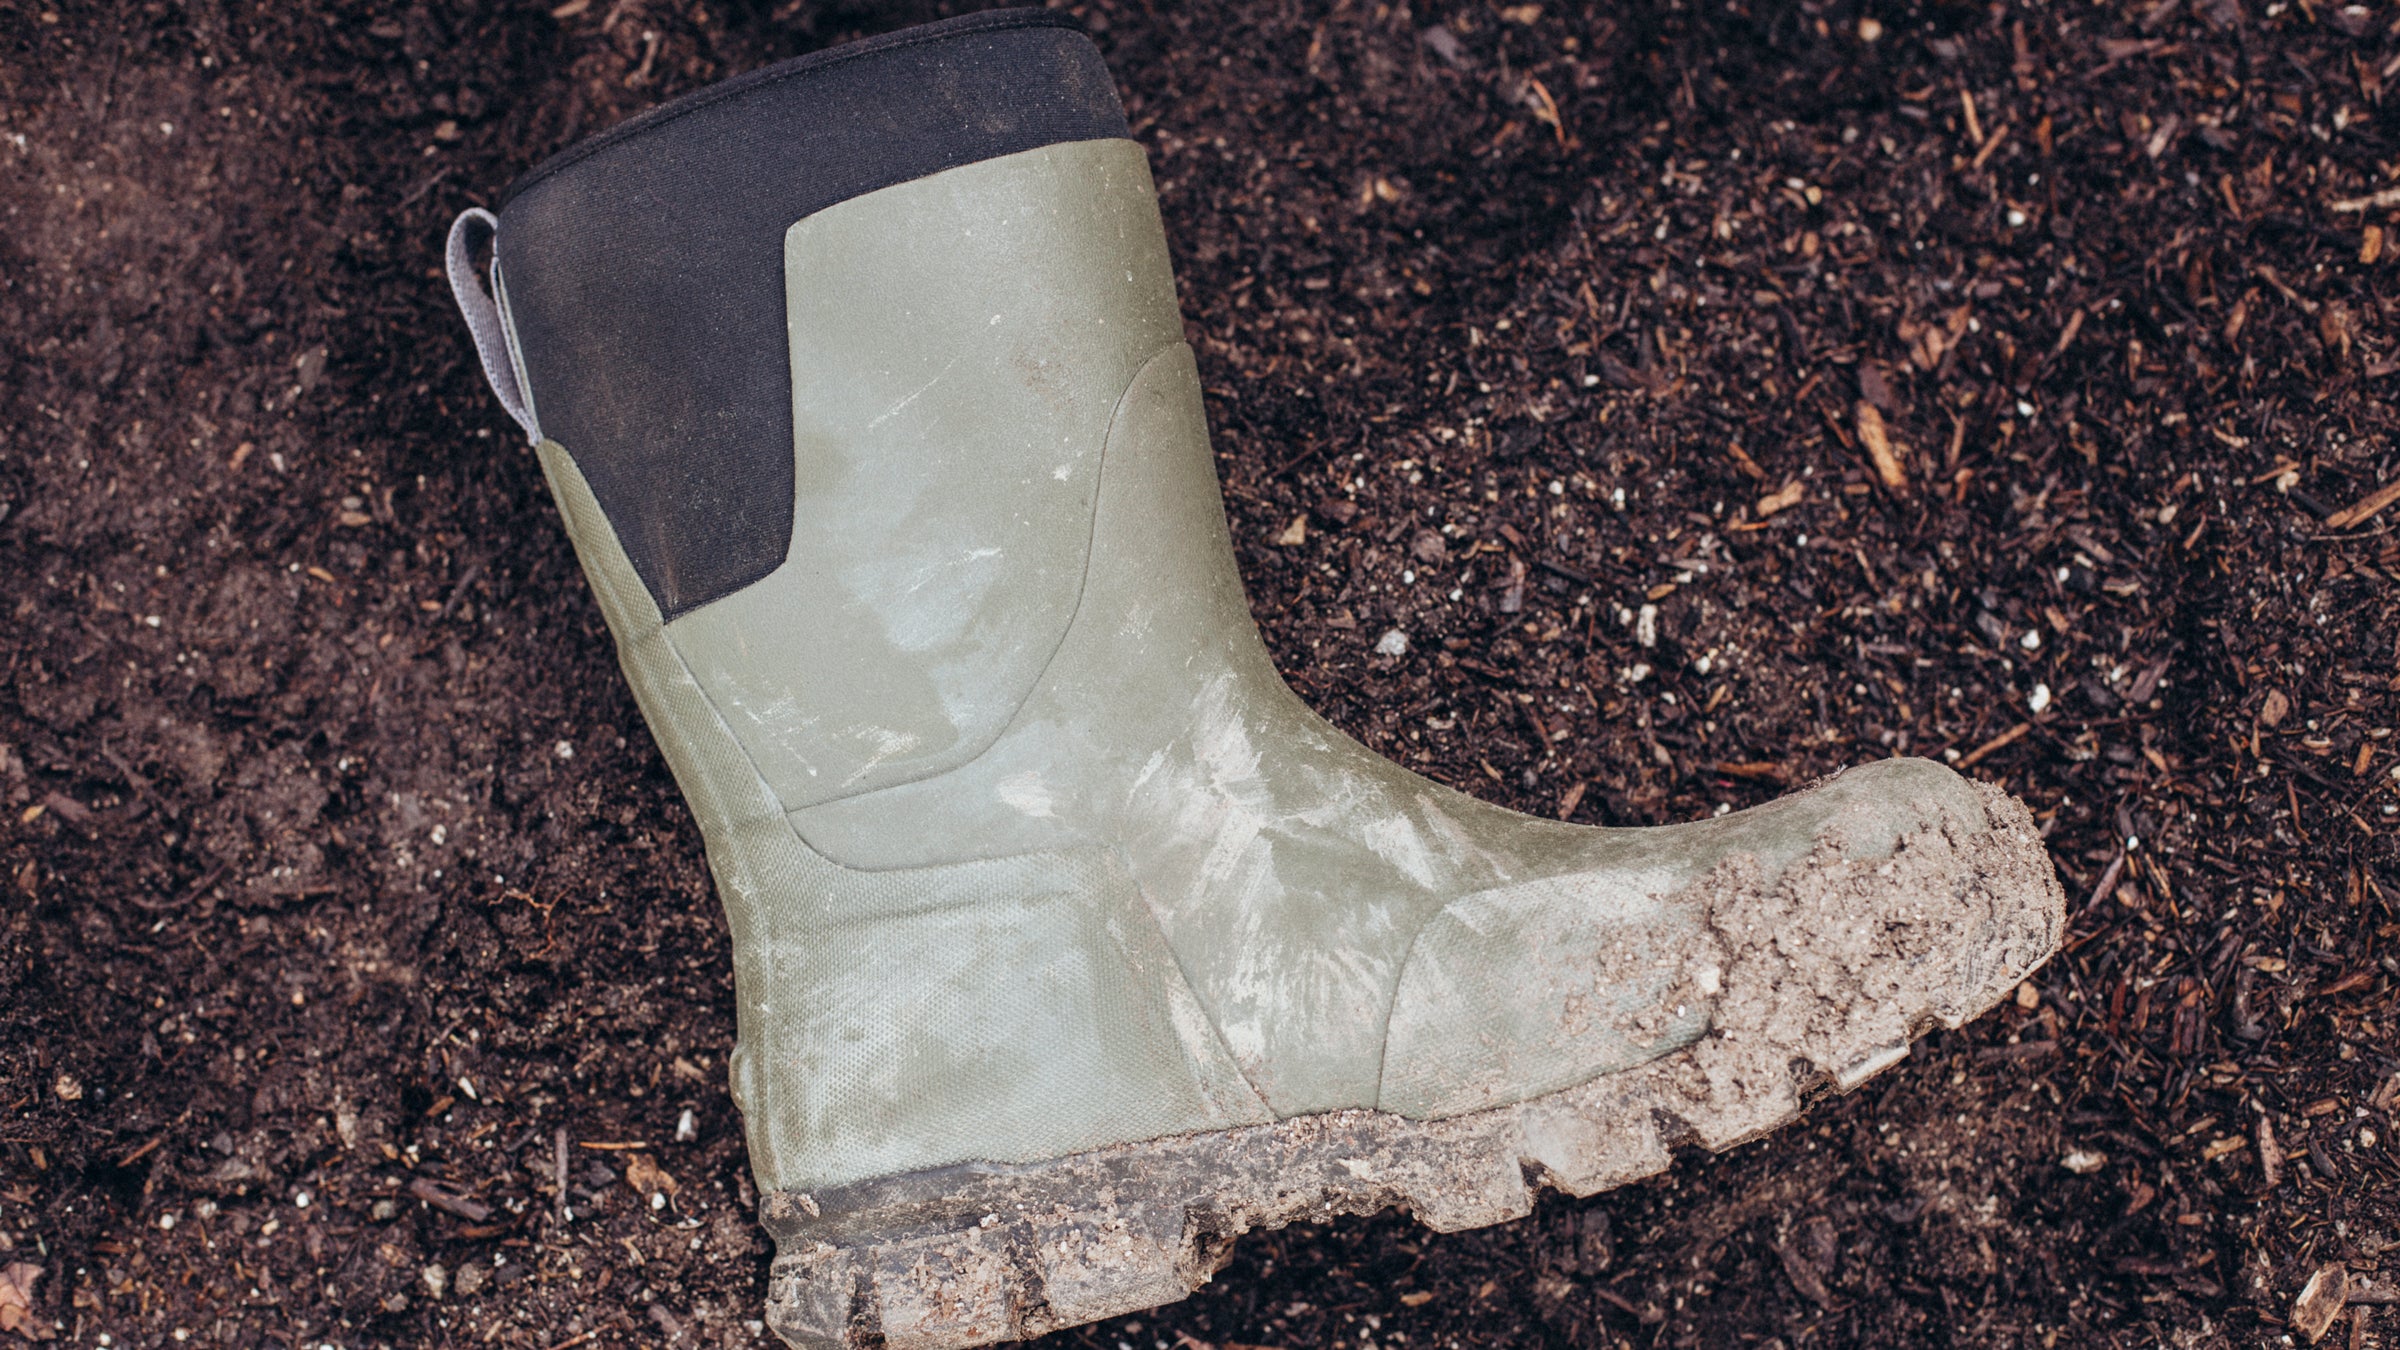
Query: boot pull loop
[[485, 321]]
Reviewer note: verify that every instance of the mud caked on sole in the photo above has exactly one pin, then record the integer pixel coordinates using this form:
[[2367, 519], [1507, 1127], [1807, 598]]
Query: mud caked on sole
[[1821, 976]]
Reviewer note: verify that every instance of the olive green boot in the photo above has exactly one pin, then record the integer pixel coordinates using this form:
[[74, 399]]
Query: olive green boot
[[1068, 942]]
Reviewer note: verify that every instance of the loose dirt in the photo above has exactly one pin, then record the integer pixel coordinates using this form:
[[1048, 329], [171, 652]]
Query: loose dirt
[[1707, 397]]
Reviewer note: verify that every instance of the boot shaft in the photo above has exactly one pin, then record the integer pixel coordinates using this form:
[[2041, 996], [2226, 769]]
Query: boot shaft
[[643, 270]]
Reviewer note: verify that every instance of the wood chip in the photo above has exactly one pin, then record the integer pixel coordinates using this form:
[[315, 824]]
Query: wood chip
[[1803, 1275], [2321, 1301], [1572, 799], [2274, 708], [2386, 1095], [648, 1177], [16, 1297], [1880, 449], [1790, 496]]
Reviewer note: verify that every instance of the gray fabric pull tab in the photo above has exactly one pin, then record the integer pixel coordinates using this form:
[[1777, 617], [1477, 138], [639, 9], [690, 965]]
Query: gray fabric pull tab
[[472, 230]]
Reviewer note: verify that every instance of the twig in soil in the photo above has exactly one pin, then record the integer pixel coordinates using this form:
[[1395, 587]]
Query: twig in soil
[[140, 1153], [2066, 335], [418, 192], [1984, 155], [2349, 536], [1647, 1315], [1568, 573], [2373, 201], [442, 1198], [1993, 746], [459, 591], [559, 1174], [2108, 883], [2366, 508]]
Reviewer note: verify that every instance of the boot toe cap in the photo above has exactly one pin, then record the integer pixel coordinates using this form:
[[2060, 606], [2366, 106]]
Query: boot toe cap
[[1816, 918]]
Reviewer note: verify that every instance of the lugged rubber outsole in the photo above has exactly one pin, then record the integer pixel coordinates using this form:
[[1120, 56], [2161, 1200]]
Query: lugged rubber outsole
[[1821, 977]]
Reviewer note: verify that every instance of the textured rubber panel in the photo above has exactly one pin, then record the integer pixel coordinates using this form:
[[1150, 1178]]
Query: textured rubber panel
[[1821, 976], [645, 266]]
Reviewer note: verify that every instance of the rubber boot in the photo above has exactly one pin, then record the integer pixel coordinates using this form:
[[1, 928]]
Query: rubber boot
[[1069, 943]]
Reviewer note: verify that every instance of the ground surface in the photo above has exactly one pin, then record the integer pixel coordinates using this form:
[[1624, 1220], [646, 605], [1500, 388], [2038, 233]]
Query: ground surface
[[343, 890]]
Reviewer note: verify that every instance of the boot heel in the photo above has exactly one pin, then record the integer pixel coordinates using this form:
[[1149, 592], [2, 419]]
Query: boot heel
[[969, 1255]]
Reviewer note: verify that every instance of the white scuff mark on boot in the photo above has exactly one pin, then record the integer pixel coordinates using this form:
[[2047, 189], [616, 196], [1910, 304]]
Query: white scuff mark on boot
[[896, 409], [1275, 1001], [888, 743], [1221, 742], [1396, 839], [1234, 873], [1150, 768], [783, 722], [1460, 844], [926, 576], [1028, 794]]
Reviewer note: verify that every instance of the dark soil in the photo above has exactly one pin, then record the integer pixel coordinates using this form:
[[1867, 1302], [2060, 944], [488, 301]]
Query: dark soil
[[345, 895]]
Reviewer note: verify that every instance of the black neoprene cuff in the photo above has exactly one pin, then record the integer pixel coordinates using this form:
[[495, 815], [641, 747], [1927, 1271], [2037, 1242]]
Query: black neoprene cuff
[[644, 266]]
